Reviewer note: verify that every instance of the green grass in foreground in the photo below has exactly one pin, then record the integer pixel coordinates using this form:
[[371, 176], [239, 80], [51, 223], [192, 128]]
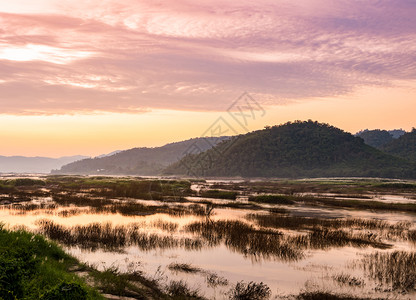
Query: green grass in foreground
[[33, 268]]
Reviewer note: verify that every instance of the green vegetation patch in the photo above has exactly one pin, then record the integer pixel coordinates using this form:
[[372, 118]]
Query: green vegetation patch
[[219, 194], [33, 268], [19, 182], [123, 187]]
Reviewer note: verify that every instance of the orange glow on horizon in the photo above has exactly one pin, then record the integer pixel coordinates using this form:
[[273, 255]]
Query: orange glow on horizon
[[95, 134], [91, 77]]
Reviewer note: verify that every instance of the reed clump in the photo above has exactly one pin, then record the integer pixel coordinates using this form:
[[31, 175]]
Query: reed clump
[[395, 270], [109, 237]]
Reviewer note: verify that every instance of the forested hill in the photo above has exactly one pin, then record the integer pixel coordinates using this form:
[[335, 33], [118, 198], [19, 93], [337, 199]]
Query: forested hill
[[139, 161], [298, 149], [404, 146]]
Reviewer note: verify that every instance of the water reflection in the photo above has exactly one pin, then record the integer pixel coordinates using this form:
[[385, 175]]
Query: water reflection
[[288, 247]]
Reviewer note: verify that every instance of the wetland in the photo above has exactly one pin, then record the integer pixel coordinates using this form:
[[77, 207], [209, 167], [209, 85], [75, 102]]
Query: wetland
[[345, 238]]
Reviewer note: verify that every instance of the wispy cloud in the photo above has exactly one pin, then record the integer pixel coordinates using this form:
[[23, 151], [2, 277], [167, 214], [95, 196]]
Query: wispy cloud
[[65, 57]]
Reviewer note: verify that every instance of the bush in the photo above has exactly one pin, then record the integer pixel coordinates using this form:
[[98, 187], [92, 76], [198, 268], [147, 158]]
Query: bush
[[27, 182], [250, 291], [219, 194], [180, 290]]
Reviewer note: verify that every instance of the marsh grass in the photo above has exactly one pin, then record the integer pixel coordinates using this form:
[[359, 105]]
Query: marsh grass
[[348, 280], [99, 192], [245, 239], [325, 295], [358, 204], [355, 231], [272, 199], [327, 238], [395, 270], [213, 280], [396, 186], [131, 284], [263, 243], [111, 281], [165, 226], [26, 207], [182, 267], [180, 290], [274, 220], [66, 213], [14, 199], [335, 202], [68, 199], [126, 207], [358, 188], [249, 291], [411, 235], [109, 237], [353, 196], [279, 210], [234, 205], [123, 187], [219, 194]]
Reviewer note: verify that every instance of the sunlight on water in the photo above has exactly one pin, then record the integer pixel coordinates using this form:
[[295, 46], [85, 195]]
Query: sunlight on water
[[290, 247]]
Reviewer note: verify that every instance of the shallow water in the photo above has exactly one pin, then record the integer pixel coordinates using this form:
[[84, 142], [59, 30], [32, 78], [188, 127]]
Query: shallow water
[[314, 270]]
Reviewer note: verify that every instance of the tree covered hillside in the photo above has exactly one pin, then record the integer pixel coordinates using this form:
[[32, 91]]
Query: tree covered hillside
[[140, 161], [298, 149], [376, 138], [404, 146]]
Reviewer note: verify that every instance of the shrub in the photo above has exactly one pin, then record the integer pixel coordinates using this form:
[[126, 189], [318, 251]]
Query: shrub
[[250, 291]]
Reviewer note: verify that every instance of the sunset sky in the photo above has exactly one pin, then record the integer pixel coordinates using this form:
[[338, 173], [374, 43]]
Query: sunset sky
[[89, 77]]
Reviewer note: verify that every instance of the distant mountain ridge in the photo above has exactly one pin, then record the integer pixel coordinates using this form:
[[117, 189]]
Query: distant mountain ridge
[[22, 164], [396, 133], [140, 161], [294, 149], [404, 146], [377, 138], [109, 154]]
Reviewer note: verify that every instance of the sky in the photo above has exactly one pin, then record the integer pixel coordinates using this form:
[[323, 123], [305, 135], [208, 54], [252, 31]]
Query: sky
[[90, 77]]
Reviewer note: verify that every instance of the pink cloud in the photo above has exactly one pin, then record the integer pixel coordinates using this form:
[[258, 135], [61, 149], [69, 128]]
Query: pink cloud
[[138, 55]]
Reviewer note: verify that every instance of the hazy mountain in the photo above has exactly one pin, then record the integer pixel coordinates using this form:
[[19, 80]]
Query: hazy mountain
[[109, 154], [140, 161], [21, 164], [404, 146], [396, 133], [378, 138], [299, 149]]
